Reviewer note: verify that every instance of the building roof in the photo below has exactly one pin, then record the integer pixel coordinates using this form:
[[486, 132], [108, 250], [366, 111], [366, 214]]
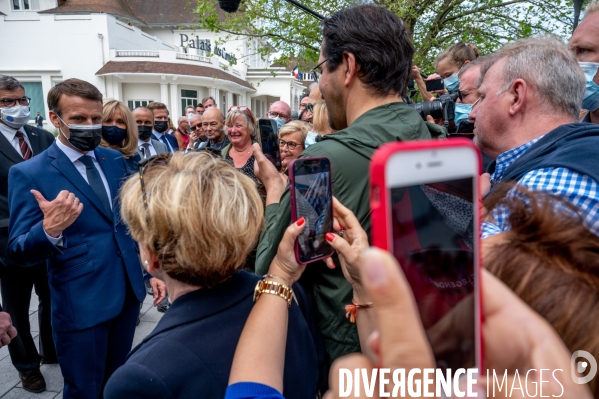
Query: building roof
[[115, 7], [150, 12], [169, 68]]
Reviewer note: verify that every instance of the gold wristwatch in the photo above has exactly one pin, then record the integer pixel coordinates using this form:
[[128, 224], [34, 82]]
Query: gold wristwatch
[[275, 288]]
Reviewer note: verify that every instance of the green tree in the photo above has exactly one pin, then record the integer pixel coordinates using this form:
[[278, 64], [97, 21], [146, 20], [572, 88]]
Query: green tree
[[433, 24]]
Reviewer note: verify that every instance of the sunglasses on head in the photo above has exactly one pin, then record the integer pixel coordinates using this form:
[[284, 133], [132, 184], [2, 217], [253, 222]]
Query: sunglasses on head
[[243, 109], [160, 159]]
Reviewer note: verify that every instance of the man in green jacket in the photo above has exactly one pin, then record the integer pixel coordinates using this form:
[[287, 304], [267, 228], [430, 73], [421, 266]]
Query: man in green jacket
[[365, 64]]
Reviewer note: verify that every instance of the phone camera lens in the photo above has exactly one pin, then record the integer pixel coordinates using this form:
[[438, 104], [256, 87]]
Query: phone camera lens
[[418, 165]]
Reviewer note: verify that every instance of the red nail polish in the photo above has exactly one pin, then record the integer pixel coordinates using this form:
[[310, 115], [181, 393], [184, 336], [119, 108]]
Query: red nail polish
[[341, 227], [301, 221], [330, 237]]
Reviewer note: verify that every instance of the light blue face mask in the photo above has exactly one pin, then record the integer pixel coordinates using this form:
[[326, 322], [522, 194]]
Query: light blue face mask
[[590, 100], [280, 122], [461, 112], [452, 83]]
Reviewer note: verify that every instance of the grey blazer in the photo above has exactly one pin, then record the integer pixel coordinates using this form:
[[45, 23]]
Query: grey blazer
[[158, 146]]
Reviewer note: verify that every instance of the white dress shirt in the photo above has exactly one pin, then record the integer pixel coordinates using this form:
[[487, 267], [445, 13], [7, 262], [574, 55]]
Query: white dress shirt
[[74, 156], [11, 136], [140, 144]]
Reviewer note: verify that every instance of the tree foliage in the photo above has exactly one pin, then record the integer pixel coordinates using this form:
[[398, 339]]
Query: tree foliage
[[433, 24]]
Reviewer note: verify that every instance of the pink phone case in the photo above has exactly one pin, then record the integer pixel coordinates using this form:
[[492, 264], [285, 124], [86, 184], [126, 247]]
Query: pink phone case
[[291, 168], [380, 211]]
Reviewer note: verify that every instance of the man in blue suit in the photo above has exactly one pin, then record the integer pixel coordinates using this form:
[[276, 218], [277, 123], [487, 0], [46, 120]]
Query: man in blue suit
[[160, 131], [64, 211]]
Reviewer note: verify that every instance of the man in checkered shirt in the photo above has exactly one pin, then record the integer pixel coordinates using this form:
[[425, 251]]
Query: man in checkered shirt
[[530, 96]]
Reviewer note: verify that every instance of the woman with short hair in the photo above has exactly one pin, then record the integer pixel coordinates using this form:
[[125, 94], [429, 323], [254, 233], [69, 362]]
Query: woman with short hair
[[119, 131], [292, 139], [196, 218], [242, 132]]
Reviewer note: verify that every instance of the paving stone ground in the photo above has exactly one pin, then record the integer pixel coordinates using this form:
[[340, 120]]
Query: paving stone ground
[[10, 385]]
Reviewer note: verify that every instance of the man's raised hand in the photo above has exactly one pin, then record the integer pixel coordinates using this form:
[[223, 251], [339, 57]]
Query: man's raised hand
[[59, 213]]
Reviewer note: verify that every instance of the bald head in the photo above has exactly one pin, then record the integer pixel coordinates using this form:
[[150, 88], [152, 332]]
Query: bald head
[[280, 109], [143, 116], [182, 119], [213, 113], [213, 124]]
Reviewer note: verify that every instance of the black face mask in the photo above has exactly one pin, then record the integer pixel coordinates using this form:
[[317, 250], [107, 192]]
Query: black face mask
[[161, 126], [114, 135], [145, 132], [84, 137]]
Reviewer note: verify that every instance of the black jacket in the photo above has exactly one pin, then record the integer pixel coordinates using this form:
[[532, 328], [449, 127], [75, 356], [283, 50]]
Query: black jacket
[[190, 352], [40, 140]]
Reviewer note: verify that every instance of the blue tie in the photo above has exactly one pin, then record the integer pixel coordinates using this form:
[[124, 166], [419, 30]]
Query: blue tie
[[165, 141], [95, 182]]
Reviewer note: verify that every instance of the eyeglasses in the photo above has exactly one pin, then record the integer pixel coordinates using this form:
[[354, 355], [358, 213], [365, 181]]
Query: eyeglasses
[[317, 70], [196, 126], [276, 115], [160, 159], [290, 144], [243, 109], [11, 102], [477, 101]]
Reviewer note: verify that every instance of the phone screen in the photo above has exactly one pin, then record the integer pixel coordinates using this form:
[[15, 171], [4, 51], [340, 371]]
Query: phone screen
[[313, 200], [270, 142], [433, 240]]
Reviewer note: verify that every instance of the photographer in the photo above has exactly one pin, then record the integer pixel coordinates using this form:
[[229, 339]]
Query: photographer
[[449, 62]]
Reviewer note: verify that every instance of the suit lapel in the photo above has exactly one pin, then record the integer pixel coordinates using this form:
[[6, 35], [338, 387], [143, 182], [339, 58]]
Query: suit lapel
[[7, 149], [66, 167], [34, 139]]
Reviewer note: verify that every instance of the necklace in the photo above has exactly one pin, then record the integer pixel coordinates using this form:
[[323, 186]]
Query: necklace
[[244, 150]]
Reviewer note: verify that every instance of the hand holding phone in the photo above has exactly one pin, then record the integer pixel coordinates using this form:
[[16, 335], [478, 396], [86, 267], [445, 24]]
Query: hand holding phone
[[312, 197], [269, 141], [424, 211]]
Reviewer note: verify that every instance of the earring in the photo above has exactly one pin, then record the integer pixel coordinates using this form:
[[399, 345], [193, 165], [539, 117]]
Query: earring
[[146, 265]]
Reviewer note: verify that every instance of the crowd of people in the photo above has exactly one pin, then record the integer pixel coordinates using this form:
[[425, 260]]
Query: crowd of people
[[124, 204]]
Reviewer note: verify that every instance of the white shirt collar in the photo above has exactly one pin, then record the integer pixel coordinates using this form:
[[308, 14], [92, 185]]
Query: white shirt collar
[[159, 135], [141, 142], [9, 132], [72, 154]]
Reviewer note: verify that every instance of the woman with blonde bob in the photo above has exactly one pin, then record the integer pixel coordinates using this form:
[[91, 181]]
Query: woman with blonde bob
[[179, 210], [292, 141], [119, 131]]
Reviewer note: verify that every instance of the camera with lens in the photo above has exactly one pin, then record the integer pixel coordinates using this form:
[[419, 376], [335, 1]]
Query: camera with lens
[[442, 108]]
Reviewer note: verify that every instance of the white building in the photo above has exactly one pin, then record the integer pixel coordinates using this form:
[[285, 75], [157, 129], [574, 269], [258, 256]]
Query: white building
[[135, 51]]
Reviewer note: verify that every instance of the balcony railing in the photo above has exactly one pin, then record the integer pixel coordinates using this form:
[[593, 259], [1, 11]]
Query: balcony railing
[[137, 53], [193, 57]]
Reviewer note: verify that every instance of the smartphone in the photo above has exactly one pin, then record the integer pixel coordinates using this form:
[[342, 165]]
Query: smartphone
[[269, 141], [312, 197], [424, 203], [435, 84]]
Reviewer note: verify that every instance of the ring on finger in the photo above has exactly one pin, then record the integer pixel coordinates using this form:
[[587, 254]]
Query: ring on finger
[[341, 232]]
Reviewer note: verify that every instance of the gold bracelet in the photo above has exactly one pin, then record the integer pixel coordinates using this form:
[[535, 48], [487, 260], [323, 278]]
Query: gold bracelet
[[272, 287], [276, 277]]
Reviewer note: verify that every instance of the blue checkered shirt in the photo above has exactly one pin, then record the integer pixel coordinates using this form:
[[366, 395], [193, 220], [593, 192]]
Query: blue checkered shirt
[[578, 189]]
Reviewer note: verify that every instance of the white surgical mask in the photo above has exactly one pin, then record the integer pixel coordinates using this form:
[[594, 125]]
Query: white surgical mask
[[16, 116]]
